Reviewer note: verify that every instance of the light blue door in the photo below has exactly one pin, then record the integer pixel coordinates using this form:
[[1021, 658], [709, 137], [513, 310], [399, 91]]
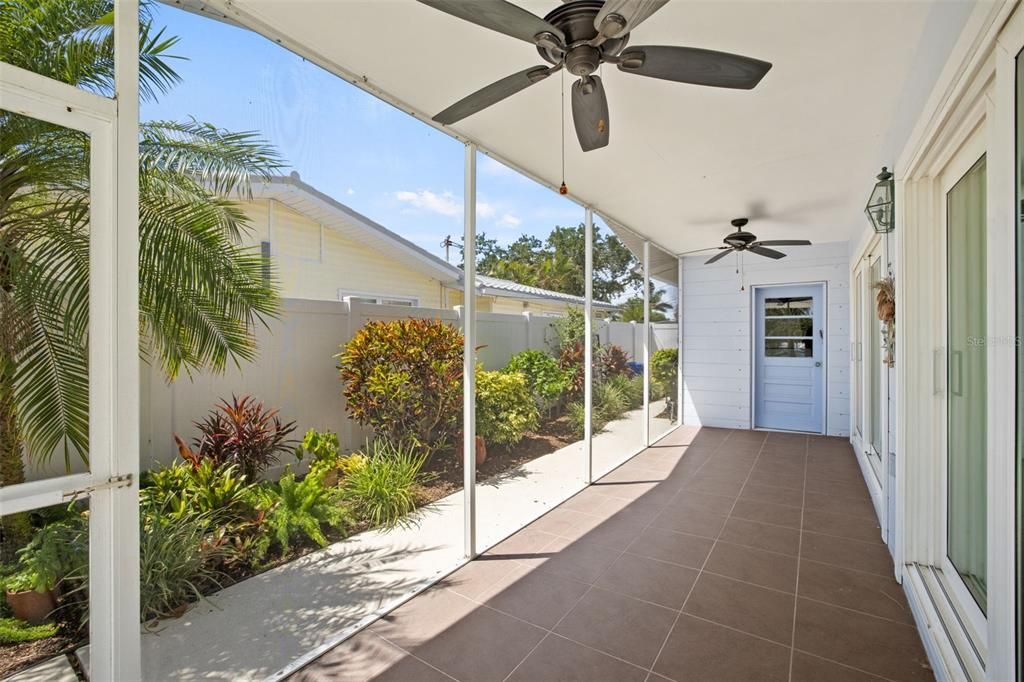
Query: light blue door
[[789, 358]]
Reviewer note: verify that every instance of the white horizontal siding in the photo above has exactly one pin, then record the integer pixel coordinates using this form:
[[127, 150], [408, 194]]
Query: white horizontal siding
[[717, 332]]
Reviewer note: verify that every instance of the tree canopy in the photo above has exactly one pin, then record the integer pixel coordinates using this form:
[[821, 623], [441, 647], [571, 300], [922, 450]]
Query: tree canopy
[[557, 262]]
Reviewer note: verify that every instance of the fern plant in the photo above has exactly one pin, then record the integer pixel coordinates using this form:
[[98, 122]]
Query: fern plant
[[296, 509]]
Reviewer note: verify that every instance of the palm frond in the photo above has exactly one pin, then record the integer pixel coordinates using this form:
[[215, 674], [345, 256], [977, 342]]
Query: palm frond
[[221, 160]]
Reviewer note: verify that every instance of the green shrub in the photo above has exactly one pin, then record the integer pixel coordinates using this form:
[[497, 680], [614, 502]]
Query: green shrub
[[296, 509], [545, 379], [631, 388], [241, 432], [610, 400], [206, 488], [14, 631], [664, 370], [381, 485], [56, 551], [403, 378], [577, 416], [320, 445], [505, 410], [569, 329]]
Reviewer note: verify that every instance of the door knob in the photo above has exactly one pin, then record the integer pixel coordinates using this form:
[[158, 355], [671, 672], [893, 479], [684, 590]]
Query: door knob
[[817, 364]]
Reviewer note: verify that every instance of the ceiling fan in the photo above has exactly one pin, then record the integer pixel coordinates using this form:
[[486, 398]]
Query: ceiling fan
[[741, 240], [579, 36]]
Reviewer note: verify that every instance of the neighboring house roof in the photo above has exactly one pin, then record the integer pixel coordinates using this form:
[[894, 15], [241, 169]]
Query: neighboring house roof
[[493, 286], [329, 212]]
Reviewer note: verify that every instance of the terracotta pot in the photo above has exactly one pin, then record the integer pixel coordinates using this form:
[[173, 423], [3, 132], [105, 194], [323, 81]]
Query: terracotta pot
[[31, 606], [481, 450]]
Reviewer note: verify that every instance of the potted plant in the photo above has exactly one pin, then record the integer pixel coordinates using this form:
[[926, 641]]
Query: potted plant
[[30, 596]]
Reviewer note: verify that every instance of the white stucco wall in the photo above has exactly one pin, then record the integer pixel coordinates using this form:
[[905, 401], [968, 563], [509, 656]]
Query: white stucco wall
[[716, 316]]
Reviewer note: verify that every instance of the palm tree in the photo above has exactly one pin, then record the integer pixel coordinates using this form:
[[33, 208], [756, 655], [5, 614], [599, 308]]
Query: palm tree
[[201, 293], [633, 309]]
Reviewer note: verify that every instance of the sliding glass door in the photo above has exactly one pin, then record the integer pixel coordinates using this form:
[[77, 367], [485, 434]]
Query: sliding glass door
[[967, 502]]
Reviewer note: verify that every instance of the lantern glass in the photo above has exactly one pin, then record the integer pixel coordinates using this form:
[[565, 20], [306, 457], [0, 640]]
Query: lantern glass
[[879, 209]]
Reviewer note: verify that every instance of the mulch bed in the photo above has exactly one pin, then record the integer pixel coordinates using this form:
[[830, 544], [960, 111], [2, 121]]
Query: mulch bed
[[14, 657], [444, 470]]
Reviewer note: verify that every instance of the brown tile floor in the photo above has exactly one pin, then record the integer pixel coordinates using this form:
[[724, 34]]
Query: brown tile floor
[[715, 555]]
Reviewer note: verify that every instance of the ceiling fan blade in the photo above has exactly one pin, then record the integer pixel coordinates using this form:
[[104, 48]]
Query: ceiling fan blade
[[626, 15], [718, 257], [710, 248], [694, 65], [500, 16], [493, 93], [783, 242], [590, 113], [770, 253]]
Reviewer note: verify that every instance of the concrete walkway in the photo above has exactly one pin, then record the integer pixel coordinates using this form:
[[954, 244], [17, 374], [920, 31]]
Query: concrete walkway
[[270, 622]]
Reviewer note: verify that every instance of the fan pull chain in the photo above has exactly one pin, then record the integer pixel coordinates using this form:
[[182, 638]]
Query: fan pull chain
[[563, 189]]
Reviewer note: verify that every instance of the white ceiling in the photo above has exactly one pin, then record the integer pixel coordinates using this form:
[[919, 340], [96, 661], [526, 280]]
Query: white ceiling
[[797, 154]]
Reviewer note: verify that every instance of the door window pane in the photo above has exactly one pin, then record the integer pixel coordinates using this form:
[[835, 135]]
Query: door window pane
[[967, 366], [875, 363], [789, 348], [801, 305], [789, 326]]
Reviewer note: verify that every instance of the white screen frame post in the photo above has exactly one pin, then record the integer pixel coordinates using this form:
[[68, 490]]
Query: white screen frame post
[[588, 346], [646, 334], [469, 352]]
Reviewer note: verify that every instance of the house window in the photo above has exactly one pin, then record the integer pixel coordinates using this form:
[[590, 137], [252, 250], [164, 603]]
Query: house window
[[379, 299]]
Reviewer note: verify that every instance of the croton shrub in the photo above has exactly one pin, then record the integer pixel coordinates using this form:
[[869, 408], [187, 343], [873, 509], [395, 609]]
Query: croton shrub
[[505, 409], [403, 379]]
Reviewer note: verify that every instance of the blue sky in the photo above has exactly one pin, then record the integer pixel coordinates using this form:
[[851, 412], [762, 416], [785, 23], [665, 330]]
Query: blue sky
[[343, 141]]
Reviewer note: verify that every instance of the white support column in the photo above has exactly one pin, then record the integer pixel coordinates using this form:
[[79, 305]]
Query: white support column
[[114, 629], [588, 346], [646, 343], [679, 341], [469, 351]]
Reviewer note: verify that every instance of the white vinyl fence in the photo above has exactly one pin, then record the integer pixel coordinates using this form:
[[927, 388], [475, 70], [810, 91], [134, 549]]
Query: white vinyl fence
[[296, 369]]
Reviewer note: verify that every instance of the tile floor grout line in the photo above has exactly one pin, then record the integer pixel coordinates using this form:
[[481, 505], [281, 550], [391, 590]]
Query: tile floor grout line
[[844, 665], [591, 586], [701, 571], [799, 551], [411, 654]]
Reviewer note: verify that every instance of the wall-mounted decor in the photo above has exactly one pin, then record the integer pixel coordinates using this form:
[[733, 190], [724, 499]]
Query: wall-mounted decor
[[885, 301]]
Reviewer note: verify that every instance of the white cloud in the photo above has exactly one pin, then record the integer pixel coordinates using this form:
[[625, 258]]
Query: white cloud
[[425, 200], [350, 191], [446, 204], [509, 220]]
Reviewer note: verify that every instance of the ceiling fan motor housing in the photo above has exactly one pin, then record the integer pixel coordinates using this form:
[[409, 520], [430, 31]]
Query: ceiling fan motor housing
[[740, 239], [576, 21]]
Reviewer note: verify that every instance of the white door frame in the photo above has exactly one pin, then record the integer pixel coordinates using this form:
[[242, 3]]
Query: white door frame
[[876, 474], [753, 351], [977, 89], [112, 126]]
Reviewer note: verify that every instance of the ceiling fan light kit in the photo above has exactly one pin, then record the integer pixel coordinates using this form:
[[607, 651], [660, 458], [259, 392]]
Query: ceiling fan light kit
[[580, 36]]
